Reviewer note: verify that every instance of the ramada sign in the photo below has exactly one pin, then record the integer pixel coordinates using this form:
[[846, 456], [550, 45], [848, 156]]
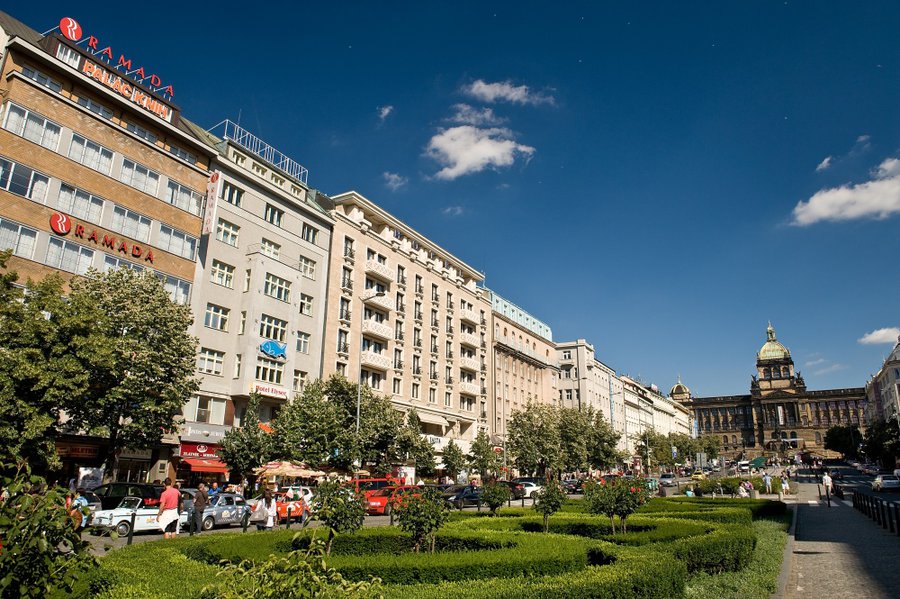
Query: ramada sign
[[62, 225], [72, 31]]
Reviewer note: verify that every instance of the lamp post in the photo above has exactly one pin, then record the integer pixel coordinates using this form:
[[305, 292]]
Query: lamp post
[[359, 355]]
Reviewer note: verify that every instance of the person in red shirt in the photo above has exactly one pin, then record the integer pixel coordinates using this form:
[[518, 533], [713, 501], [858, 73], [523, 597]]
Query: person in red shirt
[[168, 510]]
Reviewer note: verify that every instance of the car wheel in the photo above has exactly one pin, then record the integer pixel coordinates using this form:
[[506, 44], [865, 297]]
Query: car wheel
[[459, 504], [123, 528], [534, 494], [208, 523]]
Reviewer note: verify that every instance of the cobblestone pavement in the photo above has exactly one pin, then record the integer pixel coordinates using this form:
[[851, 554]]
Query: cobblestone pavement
[[838, 552]]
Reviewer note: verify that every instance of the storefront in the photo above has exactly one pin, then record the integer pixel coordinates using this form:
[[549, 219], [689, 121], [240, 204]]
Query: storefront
[[134, 465], [200, 462]]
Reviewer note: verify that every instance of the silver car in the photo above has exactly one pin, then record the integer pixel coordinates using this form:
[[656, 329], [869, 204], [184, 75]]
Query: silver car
[[225, 509]]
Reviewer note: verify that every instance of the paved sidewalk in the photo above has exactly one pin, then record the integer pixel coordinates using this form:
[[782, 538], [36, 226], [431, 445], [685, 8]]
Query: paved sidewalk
[[838, 552]]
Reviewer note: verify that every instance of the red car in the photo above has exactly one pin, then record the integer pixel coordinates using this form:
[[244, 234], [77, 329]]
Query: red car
[[381, 502], [299, 508], [368, 486]]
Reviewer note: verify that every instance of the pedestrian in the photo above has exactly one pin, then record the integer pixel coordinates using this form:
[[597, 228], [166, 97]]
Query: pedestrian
[[78, 510], [767, 480], [201, 500], [267, 513], [214, 489], [167, 517], [826, 482], [785, 484]]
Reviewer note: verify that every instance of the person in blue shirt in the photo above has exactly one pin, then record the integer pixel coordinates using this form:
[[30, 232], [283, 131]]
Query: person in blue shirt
[[79, 506], [213, 489]]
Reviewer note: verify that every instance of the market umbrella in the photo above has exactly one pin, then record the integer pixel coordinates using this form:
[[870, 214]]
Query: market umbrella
[[758, 462]]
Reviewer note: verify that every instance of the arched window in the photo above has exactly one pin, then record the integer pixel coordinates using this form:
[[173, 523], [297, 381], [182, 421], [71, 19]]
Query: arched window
[[785, 372], [724, 439], [767, 373], [734, 440], [818, 438]]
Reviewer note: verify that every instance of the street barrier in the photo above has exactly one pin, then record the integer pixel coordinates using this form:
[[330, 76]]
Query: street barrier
[[884, 513]]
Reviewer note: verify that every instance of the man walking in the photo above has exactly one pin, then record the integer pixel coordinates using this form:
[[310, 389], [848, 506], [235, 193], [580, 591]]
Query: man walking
[[167, 517], [826, 482], [201, 500], [768, 482]]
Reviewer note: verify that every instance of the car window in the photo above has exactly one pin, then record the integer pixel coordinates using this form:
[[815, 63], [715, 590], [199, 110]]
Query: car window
[[132, 503], [239, 501], [214, 500], [101, 491], [117, 491], [227, 501]]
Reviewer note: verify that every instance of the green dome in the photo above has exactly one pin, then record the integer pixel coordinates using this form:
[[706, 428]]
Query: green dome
[[772, 349]]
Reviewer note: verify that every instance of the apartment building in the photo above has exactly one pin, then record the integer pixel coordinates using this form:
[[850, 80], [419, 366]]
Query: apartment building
[[407, 318], [585, 381], [97, 170], [524, 359], [883, 390], [259, 292]]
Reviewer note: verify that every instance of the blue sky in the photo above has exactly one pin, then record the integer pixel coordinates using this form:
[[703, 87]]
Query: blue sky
[[659, 178]]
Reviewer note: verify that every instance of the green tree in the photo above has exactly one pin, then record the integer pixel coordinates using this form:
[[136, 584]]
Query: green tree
[[549, 500], [686, 446], [314, 430], [535, 440], [138, 357], [601, 443], [39, 371], [660, 448], [601, 498], [575, 426], [415, 447], [881, 442], [247, 447], [421, 514], [482, 457], [340, 509], [454, 460], [710, 445], [844, 440], [630, 495], [41, 550], [495, 494]]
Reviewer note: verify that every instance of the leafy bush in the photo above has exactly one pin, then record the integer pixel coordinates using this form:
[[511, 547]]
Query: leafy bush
[[550, 498], [339, 508], [759, 508], [495, 495], [726, 549], [616, 497], [421, 515]]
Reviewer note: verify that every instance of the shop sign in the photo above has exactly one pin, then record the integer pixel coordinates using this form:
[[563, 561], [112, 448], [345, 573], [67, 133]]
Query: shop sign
[[212, 195], [62, 225], [199, 450], [269, 391], [273, 349], [71, 30], [130, 92], [136, 454], [70, 450]]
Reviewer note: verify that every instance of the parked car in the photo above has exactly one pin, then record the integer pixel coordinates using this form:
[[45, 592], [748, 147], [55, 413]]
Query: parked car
[[94, 503], [885, 482], [299, 508], [463, 496], [532, 489], [572, 485], [119, 518], [698, 475], [300, 491], [667, 479], [516, 490], [382, 501], [652, 484], [112, 494], [367, 486], [537, 480]]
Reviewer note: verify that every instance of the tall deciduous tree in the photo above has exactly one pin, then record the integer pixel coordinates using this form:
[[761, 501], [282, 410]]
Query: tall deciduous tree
[[844, 439], [602, 441], [710, 445], [413, 446], [138, 358], [574, 433], [247, 447], [454, 460], [535, 440], [482, 457]]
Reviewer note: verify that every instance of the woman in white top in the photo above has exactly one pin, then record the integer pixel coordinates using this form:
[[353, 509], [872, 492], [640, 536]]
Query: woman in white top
[[269, 511]]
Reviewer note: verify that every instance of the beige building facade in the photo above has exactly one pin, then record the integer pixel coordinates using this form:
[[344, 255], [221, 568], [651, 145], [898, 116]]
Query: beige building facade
[[407, 318]]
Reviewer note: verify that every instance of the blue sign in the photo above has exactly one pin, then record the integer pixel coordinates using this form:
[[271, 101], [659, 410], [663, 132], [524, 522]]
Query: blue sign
[[273, 349]]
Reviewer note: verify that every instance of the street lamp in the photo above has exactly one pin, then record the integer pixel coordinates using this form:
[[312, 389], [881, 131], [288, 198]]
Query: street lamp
[[359, 356]]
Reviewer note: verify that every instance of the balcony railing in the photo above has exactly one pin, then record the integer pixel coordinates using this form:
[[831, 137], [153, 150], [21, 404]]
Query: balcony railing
[[469, 388], [417, 370], [382, 271], [343, 348], [469, 339], [374, 299], [259, 148], [370, 358], [433, 376], [376, 329], [398, 337], [398, 364], [344, 315], [468, 315], [349, 254], [469, 363], [449, 380], [401, 281], [347, 284]]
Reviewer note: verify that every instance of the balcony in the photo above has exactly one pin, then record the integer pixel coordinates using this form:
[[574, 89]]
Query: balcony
[[449, 380], [345, 315], [433, 376], [417, 343], [417, 371], [472, 364], [398, 365], [376, 329], [434, 349], [469, 339], [450, 306], [371, 359], [418, 317], [401, 281], [420, 291], [349, 254], [382, 301], [449, 354], [382, 271], [398, 336], [401, 309], [469, 388], [468, 315], [450, 330], [343, 348], [347, 285]]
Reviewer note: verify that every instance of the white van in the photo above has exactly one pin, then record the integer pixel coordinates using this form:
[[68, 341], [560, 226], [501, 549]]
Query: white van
[[743, 466]]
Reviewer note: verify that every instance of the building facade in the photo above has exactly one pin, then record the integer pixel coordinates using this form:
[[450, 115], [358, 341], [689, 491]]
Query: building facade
[[779, 415], [97, 170], [407, 318], [259, 292], [883, 390]]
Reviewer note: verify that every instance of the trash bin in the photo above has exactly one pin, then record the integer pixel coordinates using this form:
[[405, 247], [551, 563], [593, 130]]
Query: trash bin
[[754, 494], [664, 491]]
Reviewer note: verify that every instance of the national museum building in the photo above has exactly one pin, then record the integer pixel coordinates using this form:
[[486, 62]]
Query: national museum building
[[779, 414]]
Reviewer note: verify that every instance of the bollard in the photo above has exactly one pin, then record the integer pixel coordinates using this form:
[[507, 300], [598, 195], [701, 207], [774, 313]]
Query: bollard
[[289, 517], [897, 516], [523, 501], [479, 505], [245, 521], [890, 517], [876, 512], [131, 528], [191, 522], [392, 517], [883, 509]]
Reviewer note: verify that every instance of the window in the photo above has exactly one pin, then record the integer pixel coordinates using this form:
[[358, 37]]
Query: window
[[371, 345], [309, 233], [344, 313], [243, 324], [269, 371], [222, 274], [130, 224], [68, 56], [432, 395], [95, 107], [32, 127], [232, 194], [567, 354], [277, 287], [342, 345], [210, 361], [17, 238], [179, 290], [90, 154], [216, 317], [142, 133], [272, 328], [184, 197], [270, 248], [112, 263], [140, 177], [69, 256], [183, 154], [395, 386], [348, 247], [302, 342], [415, 390], [247, 277], [23, 181], [448, 399], [79, 203], [237, 366], [308, 267], [300, 378], [202, 409], [178, 243], [306, 304], [274, 215], [227, 232], [41, 78], [372, 379]]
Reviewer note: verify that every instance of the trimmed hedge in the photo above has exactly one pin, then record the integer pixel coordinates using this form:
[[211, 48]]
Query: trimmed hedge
[[759, 508], [727, 549]]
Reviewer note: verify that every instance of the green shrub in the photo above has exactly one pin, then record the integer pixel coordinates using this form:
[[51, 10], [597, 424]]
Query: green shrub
[[759, 508], [726, 549], [495, 495], [340, 509], [421, 515], [550, 498]]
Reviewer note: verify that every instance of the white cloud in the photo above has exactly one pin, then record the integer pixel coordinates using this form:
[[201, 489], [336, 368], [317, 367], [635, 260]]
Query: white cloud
[[829, 369], [469, 115], [863, 139], [505, 91], [812, 363], [465, 149], [824, 164], [878, 336], [878, 198], [384, 112], [452, 211], [393, 181]]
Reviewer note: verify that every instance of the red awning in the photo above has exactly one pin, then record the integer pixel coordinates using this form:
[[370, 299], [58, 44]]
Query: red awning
[[206, 465]]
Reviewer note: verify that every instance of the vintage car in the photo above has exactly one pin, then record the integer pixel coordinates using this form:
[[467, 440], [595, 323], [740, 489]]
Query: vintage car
[[225, 509], [119, 518]]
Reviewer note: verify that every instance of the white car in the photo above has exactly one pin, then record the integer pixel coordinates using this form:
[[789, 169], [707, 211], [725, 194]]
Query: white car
[[531, 489], [119, 519], [300, 491]]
